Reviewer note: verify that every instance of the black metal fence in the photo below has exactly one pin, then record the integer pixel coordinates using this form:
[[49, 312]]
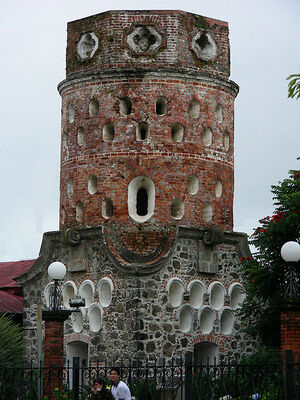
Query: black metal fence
[[178, 379]]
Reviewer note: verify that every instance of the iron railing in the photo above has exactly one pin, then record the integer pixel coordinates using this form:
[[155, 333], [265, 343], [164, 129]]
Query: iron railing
[[178, 379]]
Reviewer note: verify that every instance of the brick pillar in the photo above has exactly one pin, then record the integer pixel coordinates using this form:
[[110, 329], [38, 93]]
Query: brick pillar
[[54, 350], [290, 327]]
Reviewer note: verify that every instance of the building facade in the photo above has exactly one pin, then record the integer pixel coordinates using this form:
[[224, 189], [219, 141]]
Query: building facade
[[146, 191]]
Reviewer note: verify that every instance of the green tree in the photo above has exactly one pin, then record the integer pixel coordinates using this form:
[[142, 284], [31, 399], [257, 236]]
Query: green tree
[[294, 86], [12, 349], [264, 272]]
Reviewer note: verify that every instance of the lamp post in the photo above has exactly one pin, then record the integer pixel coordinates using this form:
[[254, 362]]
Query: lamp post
[[290, 314], [54, 318]]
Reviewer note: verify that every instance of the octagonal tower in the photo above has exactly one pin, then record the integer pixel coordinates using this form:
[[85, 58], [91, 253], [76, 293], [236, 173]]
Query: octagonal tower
[[147, 121]]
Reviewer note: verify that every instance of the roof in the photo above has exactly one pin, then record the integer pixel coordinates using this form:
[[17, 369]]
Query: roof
[[12, 269], [10, 298]]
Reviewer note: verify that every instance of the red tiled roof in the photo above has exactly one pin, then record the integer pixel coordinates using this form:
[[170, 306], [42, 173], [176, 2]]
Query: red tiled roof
[[10, 299], [10, 303], [13, 269]]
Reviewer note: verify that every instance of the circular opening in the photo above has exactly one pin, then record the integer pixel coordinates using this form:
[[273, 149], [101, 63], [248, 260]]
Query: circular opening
[[80, 136], [94, 107], [142, 131], [177, 132], [176, 290], [107, 208], [105, 293], [227, 322], [196, 295], [217, 296], [194, 109], [219, 113], [95, 318], [177, 209], [226, 141], [218, 189], [237, 297], [77, 321], [108, 132], [125, 106], [193, 184], [207, 318], [207, 213], [79, 212], [70, 187], [92, 184], [71, 113], [86, 291], [207, 137], [161, 106], [186, 318]]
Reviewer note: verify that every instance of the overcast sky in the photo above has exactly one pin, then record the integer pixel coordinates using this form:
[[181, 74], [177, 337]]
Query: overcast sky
[[265, 49]]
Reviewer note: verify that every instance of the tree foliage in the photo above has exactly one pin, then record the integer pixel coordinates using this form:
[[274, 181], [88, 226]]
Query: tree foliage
[[12, 349], [264, 273], [294, 86]]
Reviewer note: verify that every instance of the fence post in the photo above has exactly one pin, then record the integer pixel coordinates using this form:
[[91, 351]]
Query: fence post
[[75, 378], [289, 384], [188, 386]]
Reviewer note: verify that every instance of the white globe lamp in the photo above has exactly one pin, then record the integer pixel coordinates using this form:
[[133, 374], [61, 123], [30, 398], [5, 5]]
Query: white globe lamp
[[57, 270], [290, 251]]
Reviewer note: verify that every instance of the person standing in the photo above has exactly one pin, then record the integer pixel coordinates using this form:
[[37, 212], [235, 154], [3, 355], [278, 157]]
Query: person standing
[[119, 389], [99, 390]]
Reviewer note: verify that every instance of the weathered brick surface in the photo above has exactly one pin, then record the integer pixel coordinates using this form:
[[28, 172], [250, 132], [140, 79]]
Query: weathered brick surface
[[290, 330], [176, 27]]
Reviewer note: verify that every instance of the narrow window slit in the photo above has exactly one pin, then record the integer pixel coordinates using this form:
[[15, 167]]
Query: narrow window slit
[[142, 202]]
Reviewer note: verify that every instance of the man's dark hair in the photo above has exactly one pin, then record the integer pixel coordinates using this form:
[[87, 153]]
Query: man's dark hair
[[100, 381], [116, 369]]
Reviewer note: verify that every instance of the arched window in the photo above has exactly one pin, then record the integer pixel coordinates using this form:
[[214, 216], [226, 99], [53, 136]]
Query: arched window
[[141, 198]]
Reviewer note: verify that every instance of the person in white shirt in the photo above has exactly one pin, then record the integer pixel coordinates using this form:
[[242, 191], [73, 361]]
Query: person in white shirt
[[119, 389]]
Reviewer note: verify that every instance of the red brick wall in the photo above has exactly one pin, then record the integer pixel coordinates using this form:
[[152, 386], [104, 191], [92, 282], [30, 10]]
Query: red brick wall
[[174, 72], [176, 27], [290, 331]]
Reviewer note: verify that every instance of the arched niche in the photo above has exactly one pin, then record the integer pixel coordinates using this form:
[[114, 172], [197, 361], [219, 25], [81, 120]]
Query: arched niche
[[107, 208], [237, 295], [70, 188], [194, 108], [207, 136], [105, 290], [177, 132], [77, 320], [207, 318], [79, 212], [177, 209], [207, 212], [87, 291], [92, 184], [48, 292], [80, 136], [216, 293], [125, 106], [193, 184], [219, 113], [175, 289], [69, 291], [226, 321], [71, 113], [95, 317], [142, 131], [226, 141], [161, 105], [94, 107], [186, 319], [196, 291], [108, 132], [218, 188], [141, 199]]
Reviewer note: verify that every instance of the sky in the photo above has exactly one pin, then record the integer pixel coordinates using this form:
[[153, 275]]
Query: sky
[[265, 49]]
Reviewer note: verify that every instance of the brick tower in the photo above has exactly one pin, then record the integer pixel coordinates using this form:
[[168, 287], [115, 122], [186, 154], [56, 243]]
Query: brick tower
[[146, 188]]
